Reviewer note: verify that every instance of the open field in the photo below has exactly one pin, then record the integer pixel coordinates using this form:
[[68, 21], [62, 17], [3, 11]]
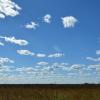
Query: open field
[[50, 92]]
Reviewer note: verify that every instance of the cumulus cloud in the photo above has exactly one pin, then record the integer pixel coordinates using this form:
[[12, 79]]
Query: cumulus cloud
[[8, 8], [77, 66], [56, 55], [46, 67], [40, 55], [47, 70], [15, 41], [63, 66], [69, 21], [5, 60], [95, 66], [1, 44], [2, 16], [25, 52], [67, 67], [4, 69], [42, 63], [31, 25], [24, 69], [93, 59], [47, 18], [98, 52]]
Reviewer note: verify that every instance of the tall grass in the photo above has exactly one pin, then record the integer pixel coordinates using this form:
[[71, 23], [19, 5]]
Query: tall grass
[[49, 92]]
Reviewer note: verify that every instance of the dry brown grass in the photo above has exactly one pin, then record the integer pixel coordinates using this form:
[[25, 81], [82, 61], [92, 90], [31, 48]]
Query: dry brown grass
[[50, 92]]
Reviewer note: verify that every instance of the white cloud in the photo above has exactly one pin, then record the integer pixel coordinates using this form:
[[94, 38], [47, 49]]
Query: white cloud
[[67, 67], [77, 66], [56, 55], [2, 16], [1, 44], [93, 59], [15, 41], [60, 65], [8, 8], [47, 18], [69, 21], [40, 55], [5, 60], [95, 66], [42, 63], [25, 52], [47, 68], [4, 69], [25, 69], [31, 25], [98, 52]]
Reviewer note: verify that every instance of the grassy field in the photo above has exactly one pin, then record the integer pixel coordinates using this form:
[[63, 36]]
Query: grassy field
[[49, 92]]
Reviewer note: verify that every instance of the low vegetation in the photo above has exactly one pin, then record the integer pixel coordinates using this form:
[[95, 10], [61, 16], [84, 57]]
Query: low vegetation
[[49, 92]]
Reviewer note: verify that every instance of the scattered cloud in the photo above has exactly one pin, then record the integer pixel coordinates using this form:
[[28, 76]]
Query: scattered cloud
[[93, 59], [98, 52], [4, 68], [44, 68], [69, 21], [95, 66], [47, 18], [59, 65], [31, 25], [8, 8], [14, 40], [24, 69], [1, 44], [42, 63], [5, 60], [2, 16], [56, 55], [40, 55], [77, 66], [25, 52], [47, 70], [68, 67]]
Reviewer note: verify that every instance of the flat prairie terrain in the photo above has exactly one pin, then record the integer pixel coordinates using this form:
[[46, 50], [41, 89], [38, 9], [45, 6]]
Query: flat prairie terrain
[[50, 92]]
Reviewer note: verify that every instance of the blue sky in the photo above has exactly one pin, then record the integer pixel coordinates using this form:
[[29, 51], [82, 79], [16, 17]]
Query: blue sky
[[49, 41]]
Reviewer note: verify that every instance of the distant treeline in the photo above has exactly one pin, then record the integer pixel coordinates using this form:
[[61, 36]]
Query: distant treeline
[[50, 85]]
